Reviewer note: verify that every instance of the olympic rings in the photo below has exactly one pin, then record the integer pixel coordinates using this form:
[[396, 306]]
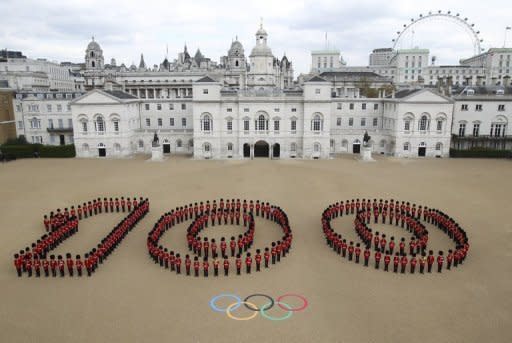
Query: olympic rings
[[286, 316], [224, 295], [228, 311], [304, 300], [262, 310], [271, 302]]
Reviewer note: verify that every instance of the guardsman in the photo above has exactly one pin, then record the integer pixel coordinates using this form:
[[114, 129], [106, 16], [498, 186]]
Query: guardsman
[[188, 262], [18, 263], [248, 263], [196, 266], [53, 265], [378, 256], [366, 256], [79, 265], [213, 246], [105, 204], [223, 247], [273, 252], [215, 266], [387, 260], [402, 246], [37, 266], [430, 261], [357, 251], [266, 257], [396, 262], [413, 262], [403, 262], [449, 259], [423, 260], [391, 245], [123, 204], [117, 204], [46, 222], [61, 265], [206, 246], [232, 246], [28, 266], [238, 263], [46, 265], [70, 263], [344, 248], [240, 244], [257, 258], [440, 261], [178, 264], [226, 266], [350, 250]]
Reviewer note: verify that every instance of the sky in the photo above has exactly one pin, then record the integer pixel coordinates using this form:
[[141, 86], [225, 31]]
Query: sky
[[61, 30]]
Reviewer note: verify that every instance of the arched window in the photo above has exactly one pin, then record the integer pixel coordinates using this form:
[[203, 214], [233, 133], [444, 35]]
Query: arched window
[[293, 147], [206, 123], [407, 124], [115, 124], [423, 123], [230, 147], [99, 124], [178, 143], [316, 147], [236, 63], [83, 125], [92, 53], [262, 123], [191, 143], [93, 64], [406, 146], [207, 147], [439, 146], [316, 123]]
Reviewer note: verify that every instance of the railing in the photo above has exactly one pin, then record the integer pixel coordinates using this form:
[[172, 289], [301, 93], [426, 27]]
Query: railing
[[59, 130]]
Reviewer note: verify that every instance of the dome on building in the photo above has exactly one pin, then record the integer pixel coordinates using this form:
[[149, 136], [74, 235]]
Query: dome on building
[[93, 45], [236, 49], [261, 50], [261, 31]]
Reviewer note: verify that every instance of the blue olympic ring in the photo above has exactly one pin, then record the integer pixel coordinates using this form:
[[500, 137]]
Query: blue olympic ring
[[225, 295]]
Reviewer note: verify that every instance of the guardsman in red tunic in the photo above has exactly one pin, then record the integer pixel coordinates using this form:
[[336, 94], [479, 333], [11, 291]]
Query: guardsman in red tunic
[[240, 244], [403, 262], [366, 256], [273, 252], [248, 263], [402, 246], [18, 264], [60, 262], [391, 245], [266, 257], [440, 261], [79, 265], [28, 266], [232, 246], [238, 263], [357, 251], [116, 202], [46, 265], [344, 248], [53, 265], [387, 260], [350, 250], [213, 246], [206, 246], [396, 261], [172, 261], [178, 264], [257, 258], [226, 266], [423, 260], [123, 204], [376, 240], [413, 262], [196, 266], [223, 247], [383, 243], [79, 212], [70, 263], [449, 259], [188, 262], [412, 246], [378, 256], [430, 261], [215, 267], [46, 223]]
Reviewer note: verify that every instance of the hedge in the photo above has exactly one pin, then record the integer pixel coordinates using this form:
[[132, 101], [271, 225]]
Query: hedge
[[28, 150], [481, 153]]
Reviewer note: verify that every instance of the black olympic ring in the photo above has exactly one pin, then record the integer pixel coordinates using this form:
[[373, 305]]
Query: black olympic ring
[[258, 295]]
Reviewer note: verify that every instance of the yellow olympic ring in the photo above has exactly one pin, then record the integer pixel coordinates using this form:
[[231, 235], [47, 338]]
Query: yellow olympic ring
[[228, 311]]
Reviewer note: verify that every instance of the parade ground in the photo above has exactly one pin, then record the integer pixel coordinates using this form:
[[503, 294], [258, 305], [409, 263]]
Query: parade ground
[[130, 299]]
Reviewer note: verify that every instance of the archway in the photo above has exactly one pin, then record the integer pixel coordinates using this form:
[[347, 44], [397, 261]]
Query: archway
[[247, 150], [102, 151], [356, 147], [166, 146], [261, 149], [276, 150], [422, 149]]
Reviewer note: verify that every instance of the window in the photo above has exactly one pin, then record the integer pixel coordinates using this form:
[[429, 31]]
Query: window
[[375, 107], [439, 125], [50, 123], [100, 124], [351, 106], [276, 109], [276, 125], [338, 121], [18, 108], [317, 91], [205, 91], [338, 106], [159, 107], [146, 106], [406, 146], [316, 123], [59, 108], [148, 122], [294, 109], [171, 121], [207, 147], [20, 124], [498, 130], [230, 146], [69, 107], [439, 146], [363, 121], [159, 120], [183, 122], [350, 121], [141, 144], [407, 125], [48, 108], [178, 143], [478, 107], [501, 107], [476, 129], [33, 108], [316, 147], [363, 106], [61, 124], [423, 123], [229, 109], [84, 125], [262, 124], [171, 107], [246, 110], [462, 129], [116, 125], [293, 147], [246, 125], [230, 125], [183, 106], [375, 121], [294, 125]]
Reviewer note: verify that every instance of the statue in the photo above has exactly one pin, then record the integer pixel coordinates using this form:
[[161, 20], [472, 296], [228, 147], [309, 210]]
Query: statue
[[366, 139], [156, 141]]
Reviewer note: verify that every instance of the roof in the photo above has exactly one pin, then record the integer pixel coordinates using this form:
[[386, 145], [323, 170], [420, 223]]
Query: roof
[[352, 76], [206, 79], [317, 79], [404, 93], [120, 94], [489, 91]]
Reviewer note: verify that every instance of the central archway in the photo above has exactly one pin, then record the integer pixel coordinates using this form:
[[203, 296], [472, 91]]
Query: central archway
[[261, 149]]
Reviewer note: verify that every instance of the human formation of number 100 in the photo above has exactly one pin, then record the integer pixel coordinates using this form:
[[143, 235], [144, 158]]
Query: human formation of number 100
[[204, 256]]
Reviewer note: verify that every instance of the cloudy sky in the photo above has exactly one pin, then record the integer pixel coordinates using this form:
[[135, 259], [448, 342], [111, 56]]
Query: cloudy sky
[[60, 30]]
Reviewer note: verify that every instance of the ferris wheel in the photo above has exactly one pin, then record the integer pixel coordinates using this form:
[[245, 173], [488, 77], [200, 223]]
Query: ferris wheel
[[447, 16]]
